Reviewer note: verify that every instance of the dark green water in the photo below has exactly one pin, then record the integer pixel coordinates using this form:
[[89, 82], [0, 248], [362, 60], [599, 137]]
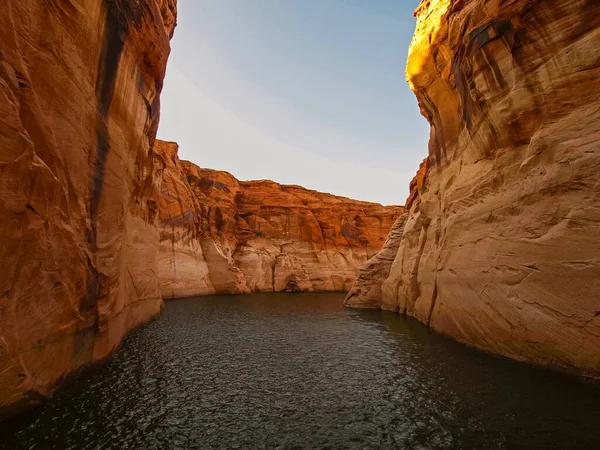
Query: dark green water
[[299, 371]]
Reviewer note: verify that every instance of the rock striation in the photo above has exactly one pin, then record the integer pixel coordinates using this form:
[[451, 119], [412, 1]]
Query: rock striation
[[500, 248], [79, 183], [221, 235]]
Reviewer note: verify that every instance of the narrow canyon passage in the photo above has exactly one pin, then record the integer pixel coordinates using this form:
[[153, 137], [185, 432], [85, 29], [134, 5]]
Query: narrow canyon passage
[[300, 371], [121, 252]]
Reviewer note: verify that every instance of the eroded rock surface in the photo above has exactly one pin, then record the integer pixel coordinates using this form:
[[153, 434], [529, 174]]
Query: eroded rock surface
[[501, 246], [79, 183], [222, 235]]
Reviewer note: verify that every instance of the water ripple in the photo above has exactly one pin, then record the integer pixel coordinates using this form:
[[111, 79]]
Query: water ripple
[[299, 371]]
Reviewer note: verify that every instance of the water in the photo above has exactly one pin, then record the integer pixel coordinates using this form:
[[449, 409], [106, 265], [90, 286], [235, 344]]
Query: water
[[299, 371]]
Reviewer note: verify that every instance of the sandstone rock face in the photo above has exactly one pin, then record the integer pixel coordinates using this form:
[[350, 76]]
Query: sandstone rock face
[[501, 246], [221, 235], [79, 183], [367, 290]]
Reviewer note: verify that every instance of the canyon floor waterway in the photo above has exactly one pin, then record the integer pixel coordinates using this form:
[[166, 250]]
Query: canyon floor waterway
[[300, 371]]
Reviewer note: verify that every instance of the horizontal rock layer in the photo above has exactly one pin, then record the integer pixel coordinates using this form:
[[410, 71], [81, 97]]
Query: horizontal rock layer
[[501, 247], [79, 183], [221, 235]]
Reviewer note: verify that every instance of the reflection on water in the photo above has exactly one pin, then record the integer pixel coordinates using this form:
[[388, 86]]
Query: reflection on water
[[299, 371]]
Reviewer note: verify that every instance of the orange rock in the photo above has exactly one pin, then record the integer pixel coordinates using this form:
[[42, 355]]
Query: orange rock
[[501, 249], [222, 235], [417, 184], [79, 106]]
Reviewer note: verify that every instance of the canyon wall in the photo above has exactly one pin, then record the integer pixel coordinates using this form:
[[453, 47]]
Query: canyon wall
[[501, 246], [221, 235], [79, 183]]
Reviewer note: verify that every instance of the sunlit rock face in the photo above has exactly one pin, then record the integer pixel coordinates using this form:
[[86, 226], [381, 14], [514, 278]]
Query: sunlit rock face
[[221, 235], [79, 184], [501, 245]]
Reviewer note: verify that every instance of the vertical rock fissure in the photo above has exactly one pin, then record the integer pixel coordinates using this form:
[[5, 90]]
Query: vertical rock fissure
[[273, 266], [108, 65], [414, 276], [434, 297], [113, 44]]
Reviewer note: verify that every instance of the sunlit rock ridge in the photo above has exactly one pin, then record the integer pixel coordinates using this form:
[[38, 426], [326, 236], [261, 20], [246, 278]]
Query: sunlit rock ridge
[[501, 245], [79, 183], [222, 235]]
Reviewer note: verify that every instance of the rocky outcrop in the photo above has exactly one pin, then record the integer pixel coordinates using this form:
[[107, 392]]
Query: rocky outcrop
[[222, 235], [500, 248], [367, 290], [79, 183]]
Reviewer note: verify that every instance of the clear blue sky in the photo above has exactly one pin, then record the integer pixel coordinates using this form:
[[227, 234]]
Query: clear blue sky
[[308, 92]]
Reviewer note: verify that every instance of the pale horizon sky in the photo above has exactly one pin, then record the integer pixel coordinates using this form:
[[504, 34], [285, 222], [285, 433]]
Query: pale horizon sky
[[307, 92]]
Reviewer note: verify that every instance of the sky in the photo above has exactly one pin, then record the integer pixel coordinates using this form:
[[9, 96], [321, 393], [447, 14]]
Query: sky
[[307, 92]]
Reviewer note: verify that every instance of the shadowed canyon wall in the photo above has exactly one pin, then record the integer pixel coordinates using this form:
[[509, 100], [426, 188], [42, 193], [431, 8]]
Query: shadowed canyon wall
[[79, 183], [501, 245], [222, 235]]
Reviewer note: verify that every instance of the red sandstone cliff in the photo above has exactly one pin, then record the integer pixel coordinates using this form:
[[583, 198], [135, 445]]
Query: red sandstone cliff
[[222, 235], [500, 248], [79, 106]]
